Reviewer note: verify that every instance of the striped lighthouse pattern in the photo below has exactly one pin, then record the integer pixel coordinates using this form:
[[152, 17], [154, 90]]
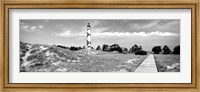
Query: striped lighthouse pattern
[[89, 46]]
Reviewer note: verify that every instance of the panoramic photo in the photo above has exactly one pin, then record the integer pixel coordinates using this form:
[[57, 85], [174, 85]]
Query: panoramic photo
[[99, 45]]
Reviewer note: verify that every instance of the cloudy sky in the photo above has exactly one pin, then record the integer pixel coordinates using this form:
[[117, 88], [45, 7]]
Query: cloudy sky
[[126, 33]]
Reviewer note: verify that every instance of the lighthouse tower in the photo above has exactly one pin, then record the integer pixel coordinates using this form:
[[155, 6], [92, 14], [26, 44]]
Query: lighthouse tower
[[89, 37]]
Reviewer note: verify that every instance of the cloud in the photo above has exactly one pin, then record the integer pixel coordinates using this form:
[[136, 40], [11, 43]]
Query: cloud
[[33, 27], [128, 34], [157, 33], [118, 34], [65, 34], [40, 26], [27, 28]]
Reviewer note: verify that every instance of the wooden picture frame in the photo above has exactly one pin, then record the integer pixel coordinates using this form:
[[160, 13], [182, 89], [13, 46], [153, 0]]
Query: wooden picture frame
[[108, 87]]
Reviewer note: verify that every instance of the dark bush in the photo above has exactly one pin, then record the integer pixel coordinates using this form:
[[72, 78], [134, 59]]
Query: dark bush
[[156, 49], [166, 50], [141, 53], [105, 47], [116, 47], [75, 48], [125, 50], [92, 48], [140, 48], [83, 47], [98, 48], [176, 50], [134, 48], [62, 47]]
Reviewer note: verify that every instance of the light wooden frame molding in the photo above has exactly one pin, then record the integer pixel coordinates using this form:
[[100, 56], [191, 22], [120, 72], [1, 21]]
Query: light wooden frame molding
[[177, 87]]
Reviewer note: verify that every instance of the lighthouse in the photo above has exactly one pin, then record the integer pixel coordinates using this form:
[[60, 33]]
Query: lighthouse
[[89, 37]]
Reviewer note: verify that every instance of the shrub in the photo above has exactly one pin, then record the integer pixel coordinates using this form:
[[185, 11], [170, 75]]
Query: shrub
[[38, 56], [105, 47], [23, 49], [166, 50], [22, 69], [156, 49], [62, 47], [176, 50], [134, 48], [125, 50], [75, 48], [34, 51], [98, 48], [65, 53], [35, 46], [140, 48], [141, 53], [83, 47], [116, 47]]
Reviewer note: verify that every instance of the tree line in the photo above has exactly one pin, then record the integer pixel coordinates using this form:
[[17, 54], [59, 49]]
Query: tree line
[[165, 50], [134, 49], [115, 47]]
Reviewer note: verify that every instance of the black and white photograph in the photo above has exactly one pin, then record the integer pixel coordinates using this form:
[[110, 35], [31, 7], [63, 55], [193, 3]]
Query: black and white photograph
[[99, 45]]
